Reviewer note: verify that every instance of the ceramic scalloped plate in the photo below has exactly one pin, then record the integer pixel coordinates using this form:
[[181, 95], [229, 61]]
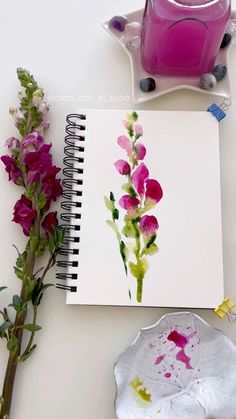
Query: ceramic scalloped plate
[[179, 368], [168, 84]]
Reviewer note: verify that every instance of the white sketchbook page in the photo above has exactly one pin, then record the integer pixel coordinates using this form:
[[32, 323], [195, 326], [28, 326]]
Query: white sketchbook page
[[183, 155]]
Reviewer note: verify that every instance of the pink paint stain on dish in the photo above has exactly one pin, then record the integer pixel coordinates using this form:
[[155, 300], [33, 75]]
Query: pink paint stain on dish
[[151, 345], [181, 341], [168, 375], [159, 359]]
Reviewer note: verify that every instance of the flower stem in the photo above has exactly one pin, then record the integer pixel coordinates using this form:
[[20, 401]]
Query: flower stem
[[17, 332]]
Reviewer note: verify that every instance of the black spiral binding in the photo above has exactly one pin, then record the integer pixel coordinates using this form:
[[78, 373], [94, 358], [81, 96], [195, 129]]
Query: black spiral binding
[[74, 142]]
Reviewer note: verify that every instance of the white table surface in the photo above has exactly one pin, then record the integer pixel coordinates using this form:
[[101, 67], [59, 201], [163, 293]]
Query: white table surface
[[70, 374]]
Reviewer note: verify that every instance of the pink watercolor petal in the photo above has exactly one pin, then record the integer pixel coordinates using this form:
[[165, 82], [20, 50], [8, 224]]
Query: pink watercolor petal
[[148, 225], [125, 143], [141, 151], [128, 202], [122, 167], [139, 177], [153, 190], [138, 129]]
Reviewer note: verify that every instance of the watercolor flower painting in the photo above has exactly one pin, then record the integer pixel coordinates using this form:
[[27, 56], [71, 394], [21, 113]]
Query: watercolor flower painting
[[141, 194]]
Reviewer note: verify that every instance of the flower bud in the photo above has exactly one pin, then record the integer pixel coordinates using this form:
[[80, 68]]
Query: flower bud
[[37, 98], [21, 94], [43, 108]]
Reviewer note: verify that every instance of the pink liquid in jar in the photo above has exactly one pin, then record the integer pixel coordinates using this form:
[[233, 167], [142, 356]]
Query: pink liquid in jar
[[183, 37]]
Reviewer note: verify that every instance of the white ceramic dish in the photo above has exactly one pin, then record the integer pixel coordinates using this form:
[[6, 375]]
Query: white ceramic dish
[[167, 84], [179, 368]]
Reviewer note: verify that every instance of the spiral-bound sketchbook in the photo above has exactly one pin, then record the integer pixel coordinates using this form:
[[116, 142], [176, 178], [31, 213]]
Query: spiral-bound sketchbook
[[142, 209]]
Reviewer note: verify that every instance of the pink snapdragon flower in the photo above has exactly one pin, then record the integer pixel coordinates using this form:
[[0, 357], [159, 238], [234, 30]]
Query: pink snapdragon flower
[[24, 214], [49, 223], [129, 203], [15, 174], [138, 130], [153, 192], [148, 225], [125, 143], [139, 177], [122, 167], [12, 144], [51, 186], [32, 142], [141, 151]]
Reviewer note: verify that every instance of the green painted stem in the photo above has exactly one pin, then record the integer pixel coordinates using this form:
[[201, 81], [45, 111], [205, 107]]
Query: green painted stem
[[139, 290]]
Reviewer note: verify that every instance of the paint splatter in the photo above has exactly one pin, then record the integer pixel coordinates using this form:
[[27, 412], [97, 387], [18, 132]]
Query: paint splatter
[[159, 359], [181, 341], [168, 375]]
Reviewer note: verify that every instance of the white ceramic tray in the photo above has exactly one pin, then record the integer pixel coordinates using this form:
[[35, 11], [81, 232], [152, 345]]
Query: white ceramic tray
[[179, 368]]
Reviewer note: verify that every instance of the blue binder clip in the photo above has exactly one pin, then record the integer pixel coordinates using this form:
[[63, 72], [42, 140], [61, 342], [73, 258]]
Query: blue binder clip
[[217, 112]]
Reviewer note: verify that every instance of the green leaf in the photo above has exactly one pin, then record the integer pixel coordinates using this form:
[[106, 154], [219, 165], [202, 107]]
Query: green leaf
[[111, 224], [19, 273], [42, 200], [4, 327], [128, 229], [151, 241], [12, 344], [127, 187], [115, 214], [42, 244], [27, 354], [2, 288], [17, 303], [151, 250], [38, 293], [109, 204], [133, 269], [124, 254], [112, 198], [31, 286], [30, 327], [134, 116], [20, 262]]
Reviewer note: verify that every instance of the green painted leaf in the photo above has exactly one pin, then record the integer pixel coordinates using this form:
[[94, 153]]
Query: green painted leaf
[[133, 269], [128, 230], [2, 288], [12, 344], [134, 116], [30, 327], [115, 214], [112, 198], [109, 204], [124, 254], [111, 224], [151, 250], [151, 241]]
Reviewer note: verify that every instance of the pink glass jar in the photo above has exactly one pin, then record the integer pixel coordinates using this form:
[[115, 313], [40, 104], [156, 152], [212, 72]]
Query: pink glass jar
[[183, 37]]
